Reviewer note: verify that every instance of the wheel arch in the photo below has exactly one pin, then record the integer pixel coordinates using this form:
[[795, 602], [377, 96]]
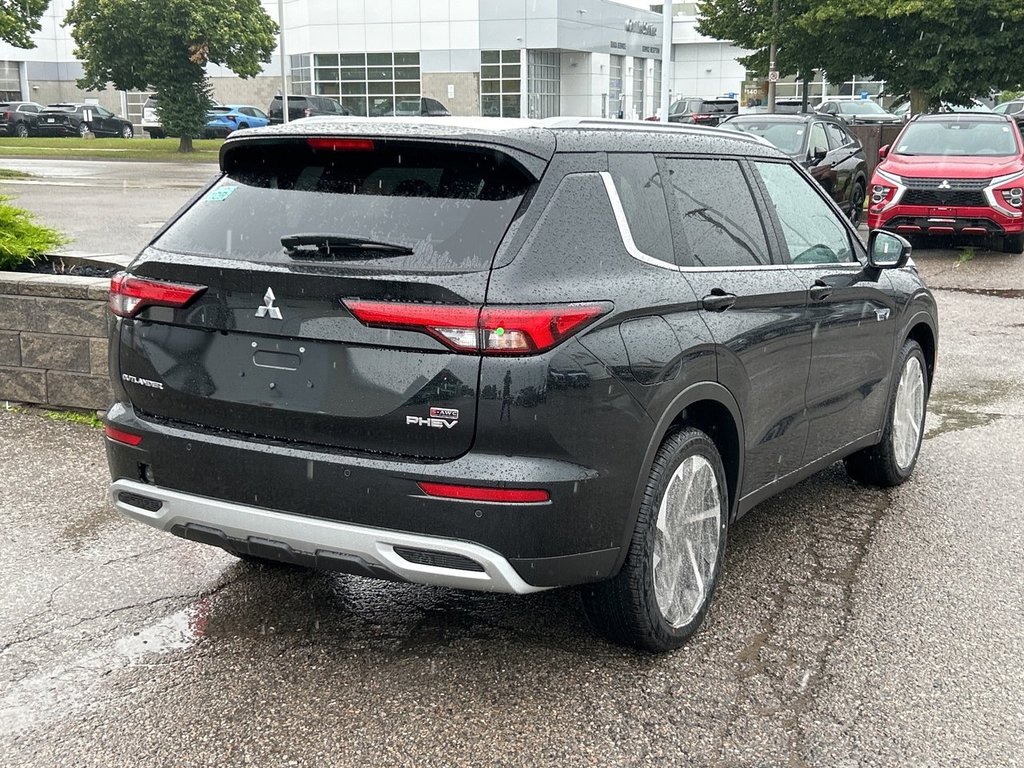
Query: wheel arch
[[921, 329], [711, 408]]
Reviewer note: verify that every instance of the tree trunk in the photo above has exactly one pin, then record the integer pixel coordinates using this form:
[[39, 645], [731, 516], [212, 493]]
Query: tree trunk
[[185, 144], [920, 101], [805, 92]]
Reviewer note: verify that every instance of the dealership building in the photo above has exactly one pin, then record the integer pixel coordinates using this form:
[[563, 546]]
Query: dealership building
[[519, 58]]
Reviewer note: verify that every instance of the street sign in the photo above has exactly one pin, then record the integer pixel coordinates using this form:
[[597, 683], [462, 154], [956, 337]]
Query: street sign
[[773, 76]]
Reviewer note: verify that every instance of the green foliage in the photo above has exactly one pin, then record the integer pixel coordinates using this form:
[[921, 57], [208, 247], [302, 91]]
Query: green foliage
[[21, 239], [166, 44], [19, 19], [86, 418], [934, 50]]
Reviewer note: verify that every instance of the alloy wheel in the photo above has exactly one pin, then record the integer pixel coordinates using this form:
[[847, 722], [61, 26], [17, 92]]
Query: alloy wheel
[[908, 413]]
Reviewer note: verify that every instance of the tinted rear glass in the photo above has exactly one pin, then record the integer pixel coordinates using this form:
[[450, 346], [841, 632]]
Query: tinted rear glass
[[784, 134], [725, 105], [451, 206]]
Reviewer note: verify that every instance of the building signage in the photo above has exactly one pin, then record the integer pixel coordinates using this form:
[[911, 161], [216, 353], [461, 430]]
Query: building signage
[[641, 27]]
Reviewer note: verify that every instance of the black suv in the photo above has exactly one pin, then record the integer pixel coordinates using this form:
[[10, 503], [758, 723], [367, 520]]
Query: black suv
[[18, 118], [305, 106], [81, 120], [505, 357], [698, 111]]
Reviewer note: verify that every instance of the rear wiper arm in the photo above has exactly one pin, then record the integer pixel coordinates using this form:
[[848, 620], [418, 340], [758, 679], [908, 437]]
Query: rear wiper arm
[[324, 245]]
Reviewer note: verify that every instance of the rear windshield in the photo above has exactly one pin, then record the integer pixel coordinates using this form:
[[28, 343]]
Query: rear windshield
[[450, 206], [958, 138], [725, 105], [786, 135], [862, 107]]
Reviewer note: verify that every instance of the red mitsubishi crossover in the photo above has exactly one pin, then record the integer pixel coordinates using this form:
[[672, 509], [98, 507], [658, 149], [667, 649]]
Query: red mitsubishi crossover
[[953, 174]]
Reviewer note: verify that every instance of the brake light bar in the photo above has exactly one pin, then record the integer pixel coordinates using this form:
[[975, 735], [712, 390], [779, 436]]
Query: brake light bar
[[477, 493], [120, 436], [490, 330], [129, 294], [341, 145]]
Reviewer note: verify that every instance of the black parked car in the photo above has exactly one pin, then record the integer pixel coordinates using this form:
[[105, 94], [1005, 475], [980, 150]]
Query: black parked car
[[509, 358], [699, 111], [305, 106], [81, 120], [858, 111], [822, 145], [417, 107], [18, 118]]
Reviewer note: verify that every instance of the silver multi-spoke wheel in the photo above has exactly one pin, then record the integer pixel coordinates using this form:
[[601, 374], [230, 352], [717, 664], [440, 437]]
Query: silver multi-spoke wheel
[[908, 413], [686, 542]]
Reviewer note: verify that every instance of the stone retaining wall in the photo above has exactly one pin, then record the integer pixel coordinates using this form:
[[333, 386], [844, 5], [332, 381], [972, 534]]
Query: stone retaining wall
[[53, 340]]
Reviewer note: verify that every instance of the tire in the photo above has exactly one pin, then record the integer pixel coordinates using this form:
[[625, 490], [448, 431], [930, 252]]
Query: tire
[[650, 604], [21, 131], [1013, 244], [83, 130], [156, 134], [242, 126], [857, 202], [127, 131], [891, 461]]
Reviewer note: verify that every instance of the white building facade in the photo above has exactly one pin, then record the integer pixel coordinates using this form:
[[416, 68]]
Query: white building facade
[[522, 58]]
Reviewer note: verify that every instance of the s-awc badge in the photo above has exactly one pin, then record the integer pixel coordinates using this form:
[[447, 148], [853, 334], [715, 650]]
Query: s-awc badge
[[440, 418]]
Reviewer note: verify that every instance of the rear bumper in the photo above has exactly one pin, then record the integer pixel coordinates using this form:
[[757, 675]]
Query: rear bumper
[[319, 543], [343, 511]]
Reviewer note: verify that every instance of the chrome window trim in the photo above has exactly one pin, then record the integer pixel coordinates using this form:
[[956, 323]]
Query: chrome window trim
[[625, 233]]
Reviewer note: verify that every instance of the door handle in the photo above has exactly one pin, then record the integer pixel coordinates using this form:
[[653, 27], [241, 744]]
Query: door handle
[[820, 291], [718, 300]]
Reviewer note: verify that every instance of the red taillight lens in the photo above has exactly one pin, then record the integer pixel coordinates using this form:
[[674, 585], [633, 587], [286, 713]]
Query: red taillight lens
[[701, 118], [129, 295], [491, 330], [341, 145], [476, 493], [120, 436]]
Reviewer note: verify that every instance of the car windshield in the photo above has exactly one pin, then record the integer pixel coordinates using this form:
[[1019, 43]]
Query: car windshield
[[958, 138], [860, 108], [787, 136]]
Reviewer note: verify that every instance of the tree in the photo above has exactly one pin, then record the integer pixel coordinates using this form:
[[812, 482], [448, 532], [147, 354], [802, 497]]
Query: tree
[[166, 44], [933, 50], [19, 19]]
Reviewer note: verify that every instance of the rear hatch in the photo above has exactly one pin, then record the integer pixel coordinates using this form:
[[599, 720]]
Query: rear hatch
[[270, 346], [54, 116]]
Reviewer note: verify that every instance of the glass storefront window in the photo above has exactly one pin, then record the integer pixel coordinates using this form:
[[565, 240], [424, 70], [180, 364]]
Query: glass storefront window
[[500, 83], [366, 82]]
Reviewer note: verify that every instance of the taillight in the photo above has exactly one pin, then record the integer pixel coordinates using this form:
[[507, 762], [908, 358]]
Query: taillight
[[129, 295], [478, 493], [232, 118], [120, 436], [490, 330], [701, 118]]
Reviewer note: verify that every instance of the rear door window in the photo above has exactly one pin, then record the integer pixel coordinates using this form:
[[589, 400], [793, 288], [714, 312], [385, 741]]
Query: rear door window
[[714, 214], [449, 206]]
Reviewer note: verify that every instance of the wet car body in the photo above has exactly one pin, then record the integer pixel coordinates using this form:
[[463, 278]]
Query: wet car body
[[80, 120], [481, 400], [822, 145]]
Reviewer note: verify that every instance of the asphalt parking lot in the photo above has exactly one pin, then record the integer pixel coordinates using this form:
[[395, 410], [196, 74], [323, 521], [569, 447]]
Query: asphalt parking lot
[[852, 627]]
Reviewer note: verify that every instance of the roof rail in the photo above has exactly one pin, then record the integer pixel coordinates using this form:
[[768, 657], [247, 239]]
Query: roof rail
[[609, 124]]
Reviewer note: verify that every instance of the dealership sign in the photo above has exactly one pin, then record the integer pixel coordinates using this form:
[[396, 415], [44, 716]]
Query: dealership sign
[[641, 27]]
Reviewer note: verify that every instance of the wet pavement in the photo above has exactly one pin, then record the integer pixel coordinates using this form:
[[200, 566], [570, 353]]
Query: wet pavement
[[852, 626]]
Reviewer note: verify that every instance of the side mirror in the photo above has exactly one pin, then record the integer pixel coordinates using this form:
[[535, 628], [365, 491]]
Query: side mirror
[[883, 152], [819, 154], [887, 250]]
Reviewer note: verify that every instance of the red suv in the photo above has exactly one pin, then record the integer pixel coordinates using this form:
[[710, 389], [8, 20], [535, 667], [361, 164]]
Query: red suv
[[953, 174]]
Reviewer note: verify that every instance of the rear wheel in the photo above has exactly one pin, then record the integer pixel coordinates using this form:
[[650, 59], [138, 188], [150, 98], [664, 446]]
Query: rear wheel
[[21, 131], [857, 202], [1013, 244], [242, 126], [83, 130], [661, 594], [127, 131], [892, 460]]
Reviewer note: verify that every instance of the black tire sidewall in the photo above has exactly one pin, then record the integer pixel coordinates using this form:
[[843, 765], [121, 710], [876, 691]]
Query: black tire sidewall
[[676, 449]]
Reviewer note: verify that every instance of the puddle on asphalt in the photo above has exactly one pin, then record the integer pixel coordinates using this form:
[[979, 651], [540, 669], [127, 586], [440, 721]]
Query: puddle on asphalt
[[51, 694], [958, 411], [84, 529]]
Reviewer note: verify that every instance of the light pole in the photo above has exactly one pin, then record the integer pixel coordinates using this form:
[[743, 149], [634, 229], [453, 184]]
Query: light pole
[[284, 64], [773, 72]]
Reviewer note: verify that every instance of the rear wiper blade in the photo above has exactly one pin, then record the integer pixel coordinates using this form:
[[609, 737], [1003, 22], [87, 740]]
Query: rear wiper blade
[[326, 246]]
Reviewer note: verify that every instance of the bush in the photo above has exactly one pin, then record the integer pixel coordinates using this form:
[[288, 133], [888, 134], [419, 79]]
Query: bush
[[22, 241]]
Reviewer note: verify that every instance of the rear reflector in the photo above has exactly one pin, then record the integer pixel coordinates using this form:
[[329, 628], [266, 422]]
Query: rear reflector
[[474, 493], [341, 145], [120, 436], [490, 330], [129, 295]]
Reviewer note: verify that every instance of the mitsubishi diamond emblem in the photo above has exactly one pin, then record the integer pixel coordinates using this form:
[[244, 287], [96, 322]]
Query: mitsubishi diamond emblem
[[268, 307], [945, 185]]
